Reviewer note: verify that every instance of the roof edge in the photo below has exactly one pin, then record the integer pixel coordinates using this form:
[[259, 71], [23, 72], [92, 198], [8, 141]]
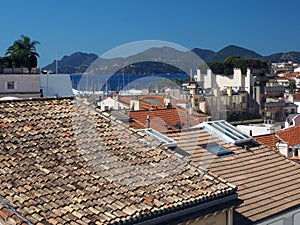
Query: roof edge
[[189, 209]]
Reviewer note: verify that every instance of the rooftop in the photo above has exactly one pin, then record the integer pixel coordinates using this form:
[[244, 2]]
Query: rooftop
[[62, 162], [290, 135], [267, 182], [162, 120], [269, 140]]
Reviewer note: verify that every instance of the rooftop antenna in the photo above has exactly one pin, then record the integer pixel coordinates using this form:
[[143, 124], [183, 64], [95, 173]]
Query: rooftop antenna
[[56, 63], [123, 78], [128, 83]]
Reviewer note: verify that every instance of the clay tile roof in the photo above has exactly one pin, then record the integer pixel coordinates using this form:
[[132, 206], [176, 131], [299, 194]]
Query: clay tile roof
[[64, 163], [267, 182], [269, 140], [161, 120], [297, 96], [290, 135], [167, 119], [145, 103]]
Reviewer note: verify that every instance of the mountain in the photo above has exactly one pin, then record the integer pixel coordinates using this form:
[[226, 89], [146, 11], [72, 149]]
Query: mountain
[[203, 53], [283, 57], [75, 63], [231, 50], [154, 60]]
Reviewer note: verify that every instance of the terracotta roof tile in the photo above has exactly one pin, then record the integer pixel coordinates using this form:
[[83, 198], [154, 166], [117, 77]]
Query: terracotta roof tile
[[161, 120], [267, 182], [72, 165], [269, 140], [296, 96], [290, 135]]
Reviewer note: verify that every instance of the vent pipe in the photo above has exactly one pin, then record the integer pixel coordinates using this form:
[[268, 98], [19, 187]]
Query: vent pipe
[[148, 121]]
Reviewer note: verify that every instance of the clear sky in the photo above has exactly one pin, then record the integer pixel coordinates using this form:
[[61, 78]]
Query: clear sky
[[96, 26]]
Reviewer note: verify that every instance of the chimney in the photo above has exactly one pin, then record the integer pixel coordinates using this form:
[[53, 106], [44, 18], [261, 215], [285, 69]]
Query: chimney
[[135, 104], [229, 91], [116, 96], [192, 94], [148, 121]]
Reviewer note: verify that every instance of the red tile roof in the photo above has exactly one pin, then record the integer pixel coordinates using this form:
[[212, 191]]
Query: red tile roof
[[64, 163], [147, 105], [268, 183], [290, 135], [9, 216], [296, 96], [269, 140], [166, 119], [144, 103], [161, 120]]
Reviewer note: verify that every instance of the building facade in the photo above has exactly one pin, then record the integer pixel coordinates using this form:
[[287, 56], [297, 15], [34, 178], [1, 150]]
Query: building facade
[[20, 85]]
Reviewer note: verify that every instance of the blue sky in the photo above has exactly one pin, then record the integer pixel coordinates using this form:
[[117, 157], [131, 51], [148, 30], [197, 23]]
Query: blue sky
[[96, 26]]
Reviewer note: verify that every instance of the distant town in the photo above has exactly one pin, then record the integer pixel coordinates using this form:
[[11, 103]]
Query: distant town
[[215, 144]]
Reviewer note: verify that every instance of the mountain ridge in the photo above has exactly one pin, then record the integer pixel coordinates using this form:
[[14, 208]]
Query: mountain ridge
[[78, 62]]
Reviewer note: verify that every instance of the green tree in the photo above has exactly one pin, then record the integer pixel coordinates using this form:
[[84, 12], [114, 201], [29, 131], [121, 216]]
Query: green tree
[[23, 53], [292, 86]]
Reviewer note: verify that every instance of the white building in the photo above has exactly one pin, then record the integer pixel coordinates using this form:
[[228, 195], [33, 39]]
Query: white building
[[110, 103], [237, 81], [54, 85], [259, 129], [20, 85], [292, 121], [297, 70]]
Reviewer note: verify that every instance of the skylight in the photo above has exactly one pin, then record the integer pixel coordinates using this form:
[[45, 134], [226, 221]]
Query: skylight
[[225, 131], [152, 101], [164, 140], [217, 149]]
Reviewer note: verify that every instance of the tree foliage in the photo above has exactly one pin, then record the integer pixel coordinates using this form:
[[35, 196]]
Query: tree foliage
[[232, 62], [292, 86], [22, 53]]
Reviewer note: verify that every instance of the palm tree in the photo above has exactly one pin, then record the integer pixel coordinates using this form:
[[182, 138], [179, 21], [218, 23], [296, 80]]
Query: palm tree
[[23, 53]]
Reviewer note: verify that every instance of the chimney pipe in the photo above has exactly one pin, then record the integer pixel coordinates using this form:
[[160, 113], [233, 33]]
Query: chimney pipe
[[148, 121]]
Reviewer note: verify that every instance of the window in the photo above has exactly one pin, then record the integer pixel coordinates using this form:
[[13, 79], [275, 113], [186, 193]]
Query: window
[[217, 149], [10, 85], [292, 111]]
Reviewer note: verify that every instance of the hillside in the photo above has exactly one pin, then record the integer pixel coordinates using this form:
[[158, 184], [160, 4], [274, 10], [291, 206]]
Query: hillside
[[203, 53], [231, 50], [75, 63], [283, 57], [79, 62]]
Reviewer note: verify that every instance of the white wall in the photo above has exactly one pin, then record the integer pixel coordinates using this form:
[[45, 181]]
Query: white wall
[[56, 85], [289, 218], [298, 104], [24, 83], [258, 129], [237, 80], [111, 103]]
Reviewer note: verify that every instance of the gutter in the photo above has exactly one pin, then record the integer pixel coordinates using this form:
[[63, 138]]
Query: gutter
[[13, 212], [189, 212]]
